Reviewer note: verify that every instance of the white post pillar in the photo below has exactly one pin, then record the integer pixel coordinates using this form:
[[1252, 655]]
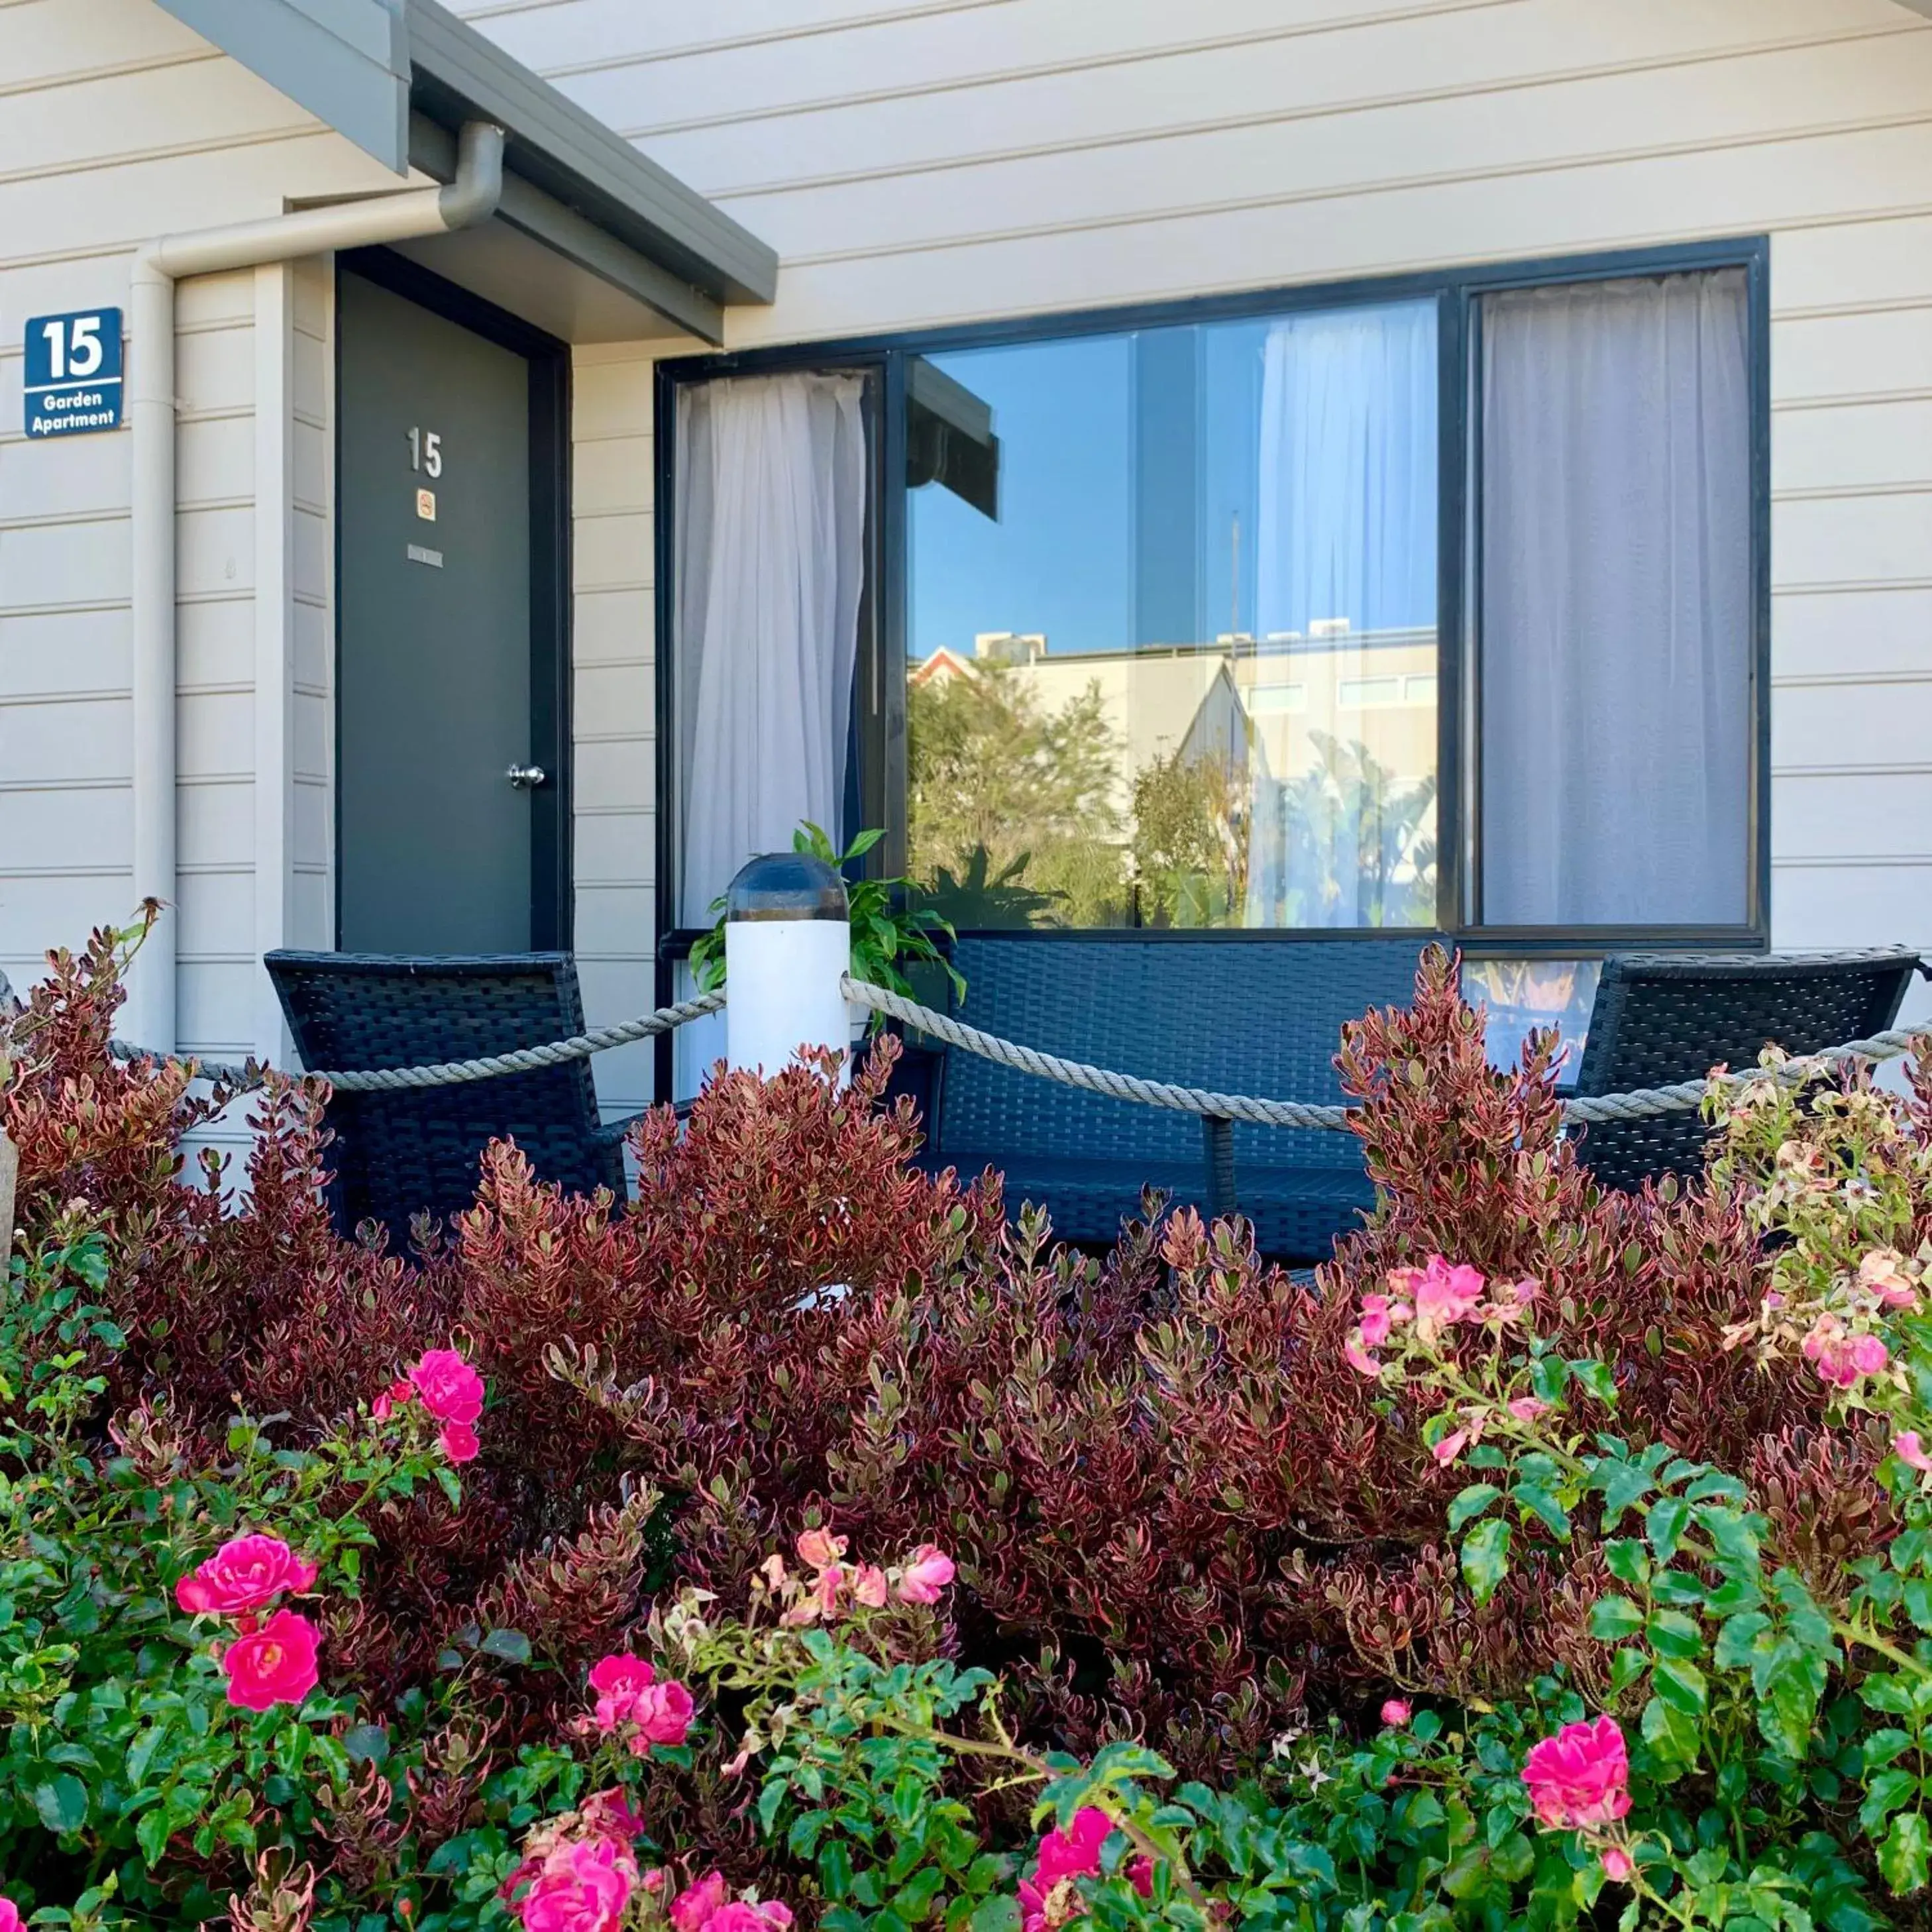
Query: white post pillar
[[787, 944]]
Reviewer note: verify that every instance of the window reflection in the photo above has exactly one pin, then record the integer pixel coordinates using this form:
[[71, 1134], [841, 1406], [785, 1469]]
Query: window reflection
[[1173, 652], [1521, 996]]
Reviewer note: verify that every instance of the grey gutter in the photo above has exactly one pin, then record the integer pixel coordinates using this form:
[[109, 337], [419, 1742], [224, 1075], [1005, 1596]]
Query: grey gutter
[[565, 232], [570, 155], [347, 62]]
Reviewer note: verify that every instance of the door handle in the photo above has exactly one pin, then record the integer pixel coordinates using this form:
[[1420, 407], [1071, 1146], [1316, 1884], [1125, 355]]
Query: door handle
[[527, 778]]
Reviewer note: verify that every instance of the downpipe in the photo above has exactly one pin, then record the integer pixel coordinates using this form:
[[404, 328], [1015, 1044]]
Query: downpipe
[[410, 215]]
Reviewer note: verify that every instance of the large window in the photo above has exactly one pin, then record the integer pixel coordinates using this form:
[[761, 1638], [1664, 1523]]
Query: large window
[[1183, 671], [1434, 605]]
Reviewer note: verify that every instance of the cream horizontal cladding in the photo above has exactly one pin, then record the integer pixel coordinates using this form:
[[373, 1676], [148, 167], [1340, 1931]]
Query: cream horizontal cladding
[[924, 163], [118, 124]]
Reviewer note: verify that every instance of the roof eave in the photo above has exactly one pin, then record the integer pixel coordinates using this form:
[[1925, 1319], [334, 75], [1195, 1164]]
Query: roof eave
[[457, 74]]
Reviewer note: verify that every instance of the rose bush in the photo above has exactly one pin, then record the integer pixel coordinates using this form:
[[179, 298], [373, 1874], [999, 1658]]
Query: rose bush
[[1556, 1555]]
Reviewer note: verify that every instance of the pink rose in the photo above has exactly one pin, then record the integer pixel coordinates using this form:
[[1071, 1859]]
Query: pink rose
[[1451, 1446], [451, 1390], [1619, 1866], [609, 1815], [10, 1915], [1580, 1776], [1526, 1408], [459, 1442], [928, 1572], [583, 1885], [274, 1665], [1905, 1445], [1358, 1358], [1396, 1712], [246, 1573], [692, 1910], [1378, 1316], [1445, 1295], [1881, 1272], [742, 1916], [819, 1550], [868, 1585], [662, 1713], [1842, 1359], [1064, 1855], [618, 1680]]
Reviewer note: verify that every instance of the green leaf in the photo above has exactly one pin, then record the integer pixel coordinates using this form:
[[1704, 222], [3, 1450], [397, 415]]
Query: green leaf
[[999, 1914], [152, 1835], [368, 1744], [1671, 1733], [1674, 1634], [1681, 1685], [1485, 1557], [61, 1802], [1902, 1857], [1737, 1641], [1470, 1503], [1884, 1795], [1665, 1524], [1534, 1499], [1627, 1561], [512, 1645], [1613, 1619], [1623, 1486]]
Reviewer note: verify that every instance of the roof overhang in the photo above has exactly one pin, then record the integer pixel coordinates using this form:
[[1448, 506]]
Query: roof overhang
[[399, 77]]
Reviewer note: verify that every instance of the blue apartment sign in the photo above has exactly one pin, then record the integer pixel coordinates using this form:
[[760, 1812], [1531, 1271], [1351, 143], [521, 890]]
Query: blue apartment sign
[[74, 373]]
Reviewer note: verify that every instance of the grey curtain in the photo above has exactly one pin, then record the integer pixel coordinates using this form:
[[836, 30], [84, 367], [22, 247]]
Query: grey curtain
[[1614, 627]]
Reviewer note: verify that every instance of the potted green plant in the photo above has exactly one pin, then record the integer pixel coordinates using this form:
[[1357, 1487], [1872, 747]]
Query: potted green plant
[[889, 931]]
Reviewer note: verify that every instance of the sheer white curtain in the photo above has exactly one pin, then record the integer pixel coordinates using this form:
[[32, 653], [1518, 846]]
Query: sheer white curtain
[[1345, 528], [770, 557], [1615, 604]]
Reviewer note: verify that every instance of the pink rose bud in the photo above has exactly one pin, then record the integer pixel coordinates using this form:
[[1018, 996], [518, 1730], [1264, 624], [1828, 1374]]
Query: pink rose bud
[[274, 1665], [1526, 1408], [928, 1572], [247, 1573], [1451, 1446], [1619, 1868], [1396, 1712], [1905, 1445]]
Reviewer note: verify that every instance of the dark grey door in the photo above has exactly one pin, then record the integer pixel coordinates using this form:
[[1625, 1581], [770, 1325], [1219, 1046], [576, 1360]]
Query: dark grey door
[[441, 686]]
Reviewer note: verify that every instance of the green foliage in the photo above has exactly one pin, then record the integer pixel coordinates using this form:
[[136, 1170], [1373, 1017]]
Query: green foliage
[[889, 934]]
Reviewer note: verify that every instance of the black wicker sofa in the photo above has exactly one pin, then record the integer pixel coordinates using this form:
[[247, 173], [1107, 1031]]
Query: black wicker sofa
[[1265, 1017], [1262, 1017]]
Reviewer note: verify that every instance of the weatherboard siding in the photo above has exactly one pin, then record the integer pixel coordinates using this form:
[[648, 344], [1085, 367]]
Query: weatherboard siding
[[117, 123], [918, 164]]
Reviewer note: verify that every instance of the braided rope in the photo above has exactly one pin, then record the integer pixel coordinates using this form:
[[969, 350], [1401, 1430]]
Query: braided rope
[[1642, 1105], [455, 1072]]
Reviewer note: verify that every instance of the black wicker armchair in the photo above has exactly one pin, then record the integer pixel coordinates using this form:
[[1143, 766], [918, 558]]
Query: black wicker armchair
[[1661, 1017], [398, 1155]]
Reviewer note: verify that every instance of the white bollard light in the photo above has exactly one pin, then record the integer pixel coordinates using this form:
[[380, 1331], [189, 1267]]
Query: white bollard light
[[788, 945]]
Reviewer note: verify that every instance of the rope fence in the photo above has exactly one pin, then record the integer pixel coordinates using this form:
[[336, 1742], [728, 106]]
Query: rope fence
[[1642, 1104]]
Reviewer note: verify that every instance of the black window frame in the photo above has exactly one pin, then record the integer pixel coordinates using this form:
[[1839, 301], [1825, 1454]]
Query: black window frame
[[1458, 293]]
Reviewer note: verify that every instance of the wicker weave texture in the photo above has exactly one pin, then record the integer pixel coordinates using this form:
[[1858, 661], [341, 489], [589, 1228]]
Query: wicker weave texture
[[399, 1154], [1248, 1017], [1661, 1017]]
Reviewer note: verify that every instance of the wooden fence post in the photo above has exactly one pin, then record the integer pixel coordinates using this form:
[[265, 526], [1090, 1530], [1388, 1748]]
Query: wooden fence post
[[10, 1172]]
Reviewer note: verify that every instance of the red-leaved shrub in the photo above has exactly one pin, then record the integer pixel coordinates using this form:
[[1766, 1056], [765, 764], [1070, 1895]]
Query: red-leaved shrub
[[1176, 1510]]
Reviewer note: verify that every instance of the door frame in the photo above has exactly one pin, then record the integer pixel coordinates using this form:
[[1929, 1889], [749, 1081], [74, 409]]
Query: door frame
[[552, 896]]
